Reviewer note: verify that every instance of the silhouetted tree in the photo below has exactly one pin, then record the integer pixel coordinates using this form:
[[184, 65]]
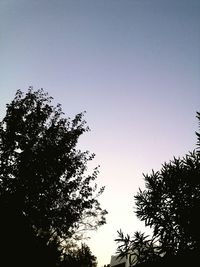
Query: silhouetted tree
[[43, 180], [170, 205], [138, 249], [79, 257]]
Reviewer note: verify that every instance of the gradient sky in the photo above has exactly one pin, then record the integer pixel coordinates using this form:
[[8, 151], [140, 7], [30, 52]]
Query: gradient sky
[[133, 65]]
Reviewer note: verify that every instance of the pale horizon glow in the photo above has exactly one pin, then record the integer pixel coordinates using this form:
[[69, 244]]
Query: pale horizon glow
[[133, 66]]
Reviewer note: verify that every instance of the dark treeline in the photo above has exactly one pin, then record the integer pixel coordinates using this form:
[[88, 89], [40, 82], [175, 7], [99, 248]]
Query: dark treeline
[[170, 205], [47, 201]]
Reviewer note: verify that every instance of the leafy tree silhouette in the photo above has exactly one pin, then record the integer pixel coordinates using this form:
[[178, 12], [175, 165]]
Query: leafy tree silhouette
[[170, 205], [45, 193], [138, 249], [79, 257]]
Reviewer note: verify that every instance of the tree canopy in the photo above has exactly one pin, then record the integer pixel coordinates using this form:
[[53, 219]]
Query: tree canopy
[[44, 179], [170, 205], [79, 257]]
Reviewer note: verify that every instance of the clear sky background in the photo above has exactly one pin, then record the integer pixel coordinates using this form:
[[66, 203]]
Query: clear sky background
[[133, 65]]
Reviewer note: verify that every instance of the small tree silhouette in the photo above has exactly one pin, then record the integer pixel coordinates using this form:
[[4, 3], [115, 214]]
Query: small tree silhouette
[[79, 257], [138, 249]]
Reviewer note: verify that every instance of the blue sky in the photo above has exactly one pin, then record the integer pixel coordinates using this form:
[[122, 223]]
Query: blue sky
[[133, 65]]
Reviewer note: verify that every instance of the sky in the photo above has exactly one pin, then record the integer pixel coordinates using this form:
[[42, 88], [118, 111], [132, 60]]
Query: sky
[[132, 65]]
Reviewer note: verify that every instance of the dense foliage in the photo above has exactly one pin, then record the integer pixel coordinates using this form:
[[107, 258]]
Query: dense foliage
[[43, 180], [170, 205], [79, 257], [138, 249]]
